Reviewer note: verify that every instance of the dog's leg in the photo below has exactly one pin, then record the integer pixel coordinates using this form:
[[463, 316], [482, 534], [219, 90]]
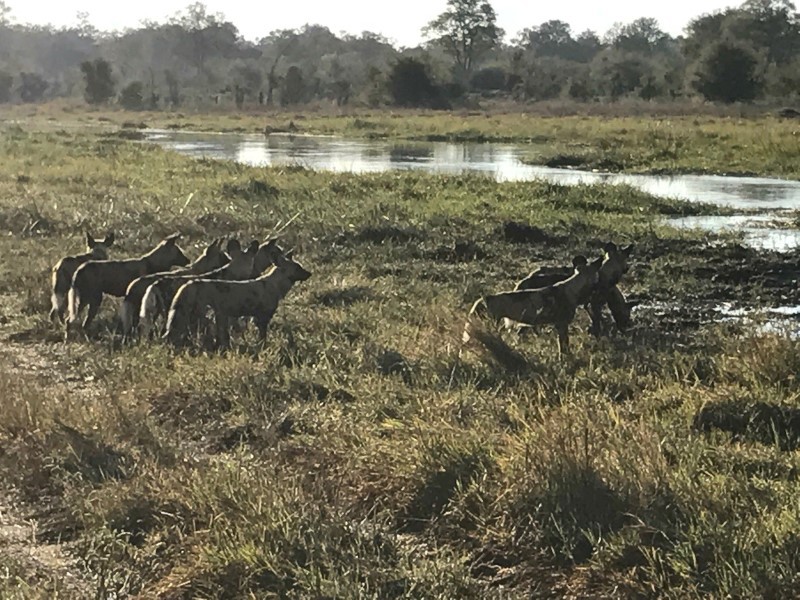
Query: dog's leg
[[562, 328], [223, 333], [262, 322], [619, 308], [91, 313], [595, 310]]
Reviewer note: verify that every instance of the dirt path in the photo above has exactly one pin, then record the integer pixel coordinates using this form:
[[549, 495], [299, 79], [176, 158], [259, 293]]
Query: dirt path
[[29, 566]]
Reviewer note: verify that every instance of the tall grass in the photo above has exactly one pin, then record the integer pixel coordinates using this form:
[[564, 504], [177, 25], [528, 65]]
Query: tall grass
[[362, 452]]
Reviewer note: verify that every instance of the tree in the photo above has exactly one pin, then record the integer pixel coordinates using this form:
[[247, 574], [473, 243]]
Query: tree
[[293, 90], [466, 30], [99, 81], [551, 38], [280, 41], [173, 88], [617, 73], [6, 83], [32, 87], [727, 72], [642, 36], [5, 11], [132, 96], [489, 79], [410, 85], [205, 34]]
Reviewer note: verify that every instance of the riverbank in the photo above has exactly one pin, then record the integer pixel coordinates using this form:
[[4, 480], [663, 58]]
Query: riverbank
[[705, 144], [358, 453]]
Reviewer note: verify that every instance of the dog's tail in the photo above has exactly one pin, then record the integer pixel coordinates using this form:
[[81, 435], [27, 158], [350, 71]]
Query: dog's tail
[[178, 318], [58, 299], [152, 308], [73, 302]]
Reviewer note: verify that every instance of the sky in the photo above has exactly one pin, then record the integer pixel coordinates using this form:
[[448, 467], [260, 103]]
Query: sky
[[399, 21]]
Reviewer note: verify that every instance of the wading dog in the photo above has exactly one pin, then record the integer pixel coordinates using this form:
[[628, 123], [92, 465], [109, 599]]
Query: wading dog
[[555, 304], [243, 265], [615, 265], [258, 298], [212, 258], [64, 270], [98, 277]]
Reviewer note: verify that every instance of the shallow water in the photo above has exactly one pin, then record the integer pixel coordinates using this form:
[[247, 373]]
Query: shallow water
[[772, 231], [501, 161]]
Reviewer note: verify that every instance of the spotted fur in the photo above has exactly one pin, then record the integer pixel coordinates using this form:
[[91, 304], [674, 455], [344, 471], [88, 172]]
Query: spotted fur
[[244, 265], [64, 270], [554, 304], [212, 258], [258, 298], [98, 277]]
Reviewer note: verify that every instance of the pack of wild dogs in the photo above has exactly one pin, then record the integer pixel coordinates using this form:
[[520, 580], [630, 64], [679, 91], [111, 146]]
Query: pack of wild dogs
[[165, 294], [163, 286]]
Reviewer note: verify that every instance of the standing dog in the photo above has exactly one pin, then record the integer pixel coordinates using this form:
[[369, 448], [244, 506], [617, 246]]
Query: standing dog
[[615, 265], [98, 277], [258, 298], [64, 270], [555, 304], [243, 265], [212, 258]]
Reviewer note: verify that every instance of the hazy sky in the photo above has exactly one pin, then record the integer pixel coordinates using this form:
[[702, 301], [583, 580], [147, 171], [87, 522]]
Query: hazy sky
[[400, 20]]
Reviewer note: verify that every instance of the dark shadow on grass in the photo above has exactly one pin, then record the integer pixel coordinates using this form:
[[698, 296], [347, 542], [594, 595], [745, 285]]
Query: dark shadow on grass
[[760, 422], [341, 297]]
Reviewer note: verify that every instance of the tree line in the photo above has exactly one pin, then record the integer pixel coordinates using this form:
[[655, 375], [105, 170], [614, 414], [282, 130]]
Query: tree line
[[199, 58]]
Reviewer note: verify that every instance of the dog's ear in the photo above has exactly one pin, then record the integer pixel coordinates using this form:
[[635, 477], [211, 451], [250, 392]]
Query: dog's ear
[[610, 247], [90, 243], [627, 250], [252, 247], [109, 239], [233, 247], [579, 261]]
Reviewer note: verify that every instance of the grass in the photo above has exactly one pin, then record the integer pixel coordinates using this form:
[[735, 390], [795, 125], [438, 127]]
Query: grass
[[356, 454], [695, 141]]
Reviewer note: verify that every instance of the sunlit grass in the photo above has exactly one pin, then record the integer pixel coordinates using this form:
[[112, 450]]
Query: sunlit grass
[[358, 453]]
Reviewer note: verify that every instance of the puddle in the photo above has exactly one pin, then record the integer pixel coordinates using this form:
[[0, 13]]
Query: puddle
[[778, 320], [769, 231]]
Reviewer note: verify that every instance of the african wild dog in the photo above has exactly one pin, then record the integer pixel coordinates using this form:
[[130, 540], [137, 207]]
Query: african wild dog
[[243, 265], [98, 277], [544, 276], [614, 266], [212, 258], [554, 304], [65, 268], [258, 298]]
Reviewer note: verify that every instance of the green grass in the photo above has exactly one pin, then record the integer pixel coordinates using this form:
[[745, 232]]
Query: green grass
[[666, 143], [355, 454]]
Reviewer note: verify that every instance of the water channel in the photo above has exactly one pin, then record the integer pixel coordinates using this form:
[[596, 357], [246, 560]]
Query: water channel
[[766, 203]]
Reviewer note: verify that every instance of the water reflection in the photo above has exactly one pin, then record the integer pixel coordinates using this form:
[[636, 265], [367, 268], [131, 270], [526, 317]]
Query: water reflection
[[764, 232], [500, 161]]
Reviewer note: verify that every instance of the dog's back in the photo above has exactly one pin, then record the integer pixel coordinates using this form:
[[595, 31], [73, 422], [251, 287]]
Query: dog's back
[[64, 271]]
